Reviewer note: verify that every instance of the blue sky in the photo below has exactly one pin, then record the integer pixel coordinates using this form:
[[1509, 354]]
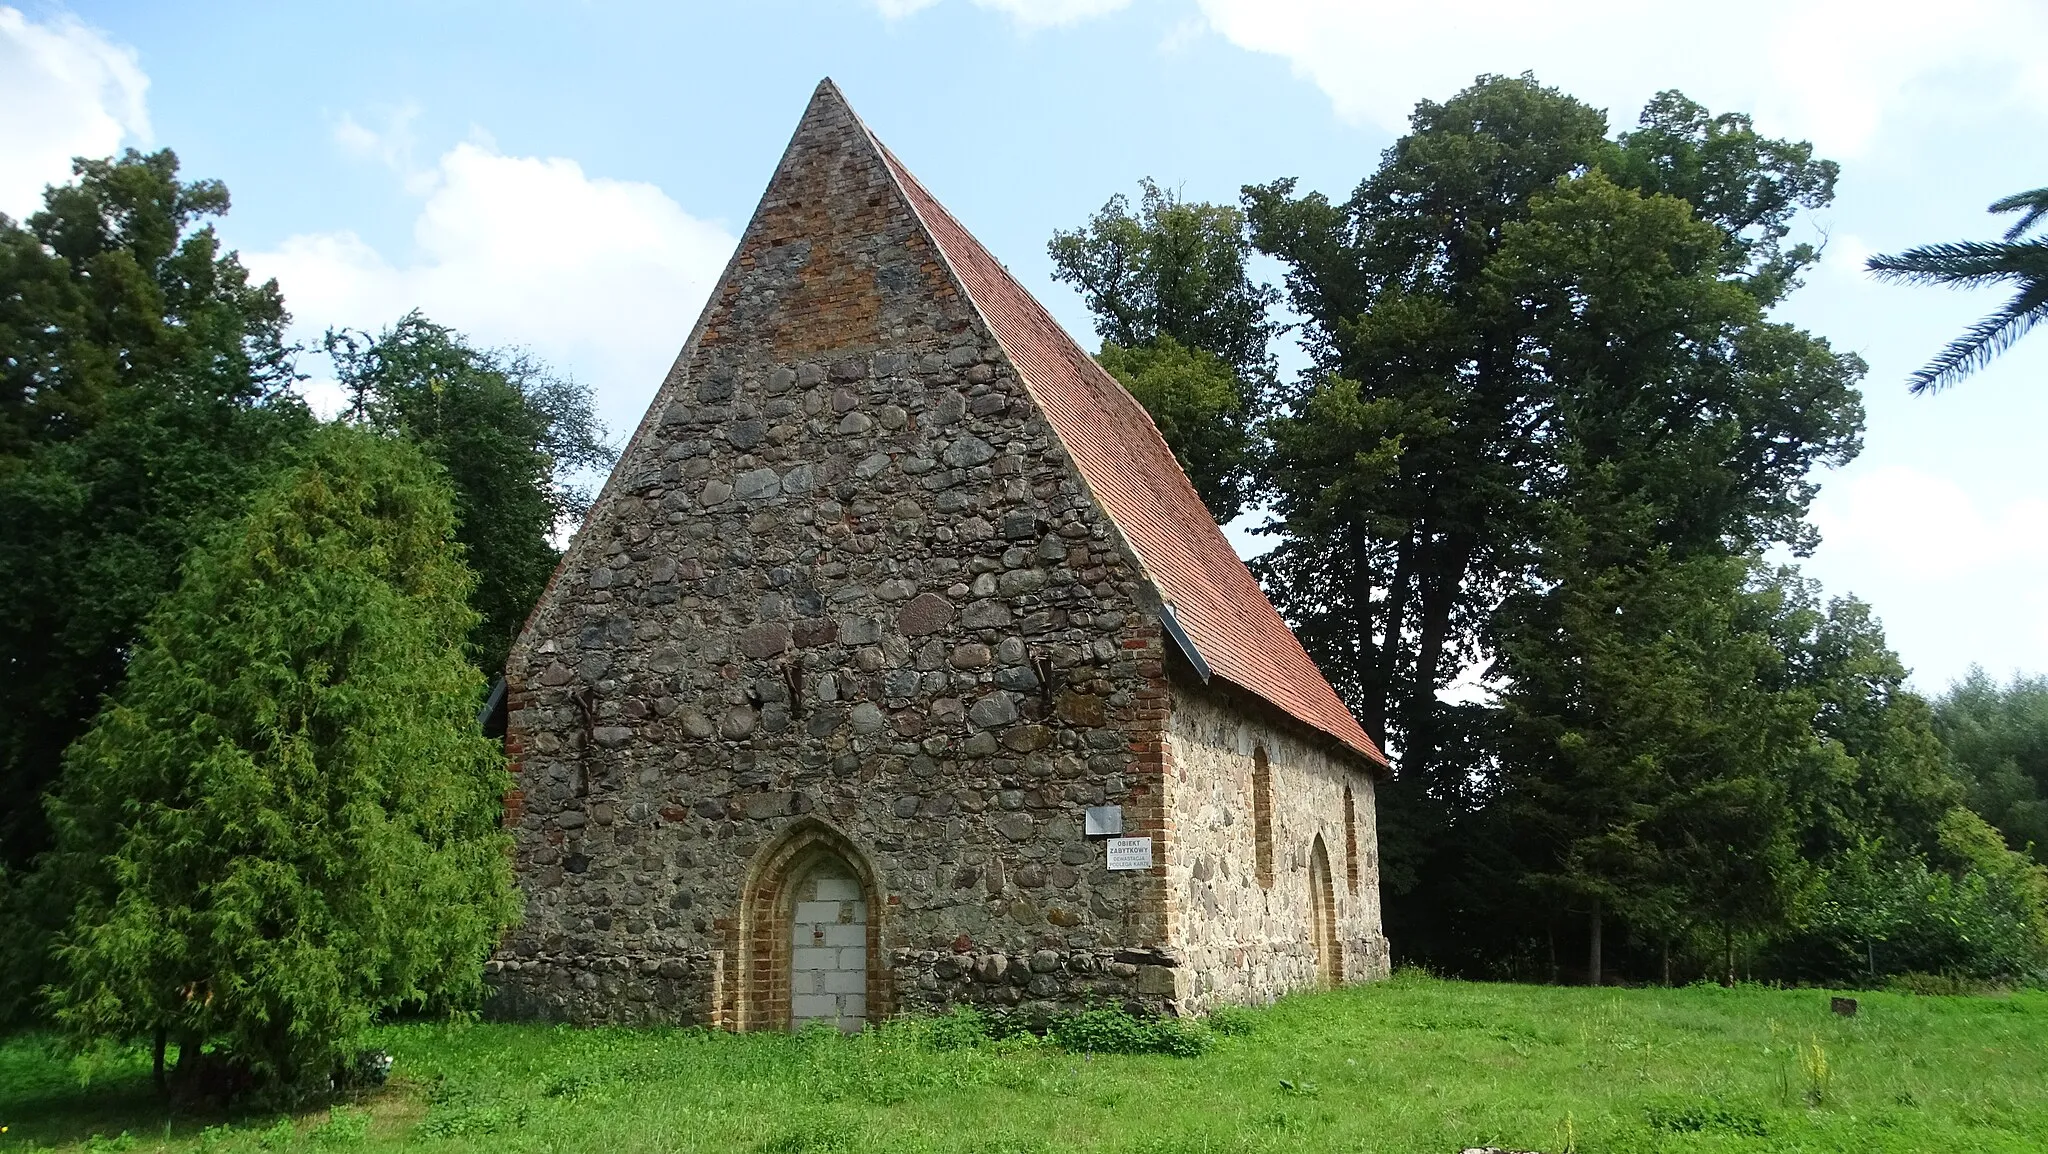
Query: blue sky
[[571, 176]]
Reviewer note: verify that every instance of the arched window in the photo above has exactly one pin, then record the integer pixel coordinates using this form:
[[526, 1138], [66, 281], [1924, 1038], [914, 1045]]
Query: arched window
[[1322, 918], [1350, 840], [1262, 815]]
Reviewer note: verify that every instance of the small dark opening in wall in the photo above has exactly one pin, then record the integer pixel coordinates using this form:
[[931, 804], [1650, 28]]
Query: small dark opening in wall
[[1350, 840], [1262, 815], [494, 714]]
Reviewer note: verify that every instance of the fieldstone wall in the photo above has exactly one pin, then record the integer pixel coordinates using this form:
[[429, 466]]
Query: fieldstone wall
[[1244, 942], [1041, 982], [844, 572]]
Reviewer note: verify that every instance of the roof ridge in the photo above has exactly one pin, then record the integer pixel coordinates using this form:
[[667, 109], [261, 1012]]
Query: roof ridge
[[901, 172]]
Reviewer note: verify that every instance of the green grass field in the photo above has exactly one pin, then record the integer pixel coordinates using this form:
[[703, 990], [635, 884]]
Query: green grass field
[[1410, 1065]]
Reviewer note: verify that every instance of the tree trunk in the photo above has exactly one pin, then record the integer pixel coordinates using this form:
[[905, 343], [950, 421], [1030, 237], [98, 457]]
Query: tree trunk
[[1593, 951], [1667, 965], [1387, 659], [1728, 948], [1439, 590], [1550, 940], [156, 1069]]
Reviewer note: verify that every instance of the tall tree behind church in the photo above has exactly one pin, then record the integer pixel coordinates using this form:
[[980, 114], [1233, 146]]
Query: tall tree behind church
[[143, 394], [1483, 363], [1184, 326], [515, 439]]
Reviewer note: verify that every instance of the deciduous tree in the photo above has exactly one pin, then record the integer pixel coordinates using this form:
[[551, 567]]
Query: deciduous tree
[[1524, 326], [1184, 326], [514, 438], [1997, 736], [143, 394]]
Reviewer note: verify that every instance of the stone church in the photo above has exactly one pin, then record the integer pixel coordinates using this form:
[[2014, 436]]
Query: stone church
[[898, 665]]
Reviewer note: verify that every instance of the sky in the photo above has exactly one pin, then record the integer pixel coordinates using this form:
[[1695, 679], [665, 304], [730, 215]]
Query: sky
[[571, 177]]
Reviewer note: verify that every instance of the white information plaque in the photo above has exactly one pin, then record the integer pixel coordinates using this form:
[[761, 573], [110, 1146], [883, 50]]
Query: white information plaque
[[1130, 853], [1104, 820]]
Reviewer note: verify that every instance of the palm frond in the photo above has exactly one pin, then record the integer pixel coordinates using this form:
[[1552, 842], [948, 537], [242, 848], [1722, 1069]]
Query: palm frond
[[1965, 264], [2034, 202], [1983, 341]]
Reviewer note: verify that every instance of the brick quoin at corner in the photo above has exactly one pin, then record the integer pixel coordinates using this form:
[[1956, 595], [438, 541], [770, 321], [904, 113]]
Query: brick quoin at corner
[[891, 586]]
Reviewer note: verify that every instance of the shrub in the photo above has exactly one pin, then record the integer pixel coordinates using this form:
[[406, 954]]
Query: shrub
[[286, 821], [964, 1028], [1112, 1030], [1979, 912], [1233, 1022]]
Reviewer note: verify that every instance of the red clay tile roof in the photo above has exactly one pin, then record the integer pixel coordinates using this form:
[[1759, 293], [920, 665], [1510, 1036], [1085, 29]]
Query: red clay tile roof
[[1139, 484]]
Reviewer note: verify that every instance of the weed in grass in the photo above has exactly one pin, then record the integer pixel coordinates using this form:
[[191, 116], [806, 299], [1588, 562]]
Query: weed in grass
[[1233, 1022], [279, 1136], [463, 1113], [1281, 1120], [1626, 1071], [964, 1028], [1013, 1143], [1443, 1023], [576, 1083], [1707, 1118], [345, 1126], [813, 1136], [1813, 1062], [1930, 985], [1113, 1031]]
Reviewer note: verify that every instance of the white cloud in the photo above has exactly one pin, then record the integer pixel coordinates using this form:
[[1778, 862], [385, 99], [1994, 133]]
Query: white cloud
[[1027, 13], [1846, 254], [392, 145], [65, 91], [601, 278], [1826, 70], [1955, 573], [1906, 524]]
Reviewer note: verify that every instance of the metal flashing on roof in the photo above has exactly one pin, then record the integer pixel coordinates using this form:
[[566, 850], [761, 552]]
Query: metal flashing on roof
[[1181, 638]]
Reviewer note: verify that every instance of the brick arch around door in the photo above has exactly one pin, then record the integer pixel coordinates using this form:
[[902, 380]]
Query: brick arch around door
[[809, 866]]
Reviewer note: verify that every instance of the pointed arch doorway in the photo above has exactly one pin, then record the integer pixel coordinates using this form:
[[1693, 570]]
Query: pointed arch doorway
[[810, 935], [1322, 904]]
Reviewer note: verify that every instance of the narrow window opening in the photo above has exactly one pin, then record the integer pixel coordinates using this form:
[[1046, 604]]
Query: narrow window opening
[[1350, 841], [1322, 917], [1262, 815]]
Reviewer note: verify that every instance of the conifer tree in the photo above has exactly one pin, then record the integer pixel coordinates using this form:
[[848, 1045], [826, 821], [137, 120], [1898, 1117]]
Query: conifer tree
[[287, 819]]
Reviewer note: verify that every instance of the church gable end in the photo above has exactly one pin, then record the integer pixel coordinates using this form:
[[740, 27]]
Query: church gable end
[[846, 574], [866, 618]]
